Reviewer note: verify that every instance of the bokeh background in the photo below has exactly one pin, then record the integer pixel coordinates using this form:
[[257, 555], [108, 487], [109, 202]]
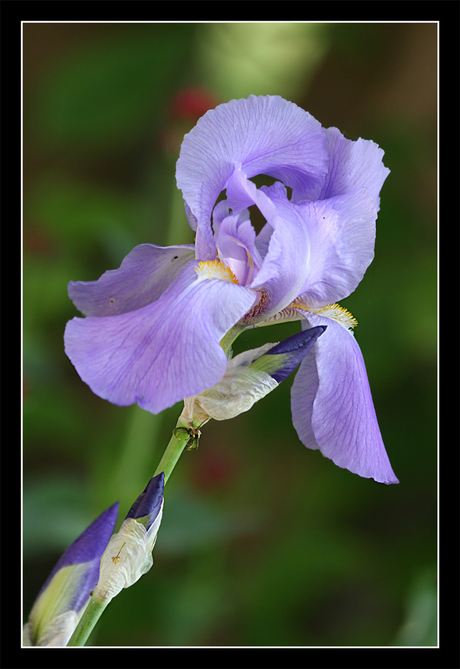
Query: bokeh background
[[263, 542]]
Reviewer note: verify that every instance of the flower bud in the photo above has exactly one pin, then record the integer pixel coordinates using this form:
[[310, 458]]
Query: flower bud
[[63, 597], [129, 552], [283, 358], [249, 377]]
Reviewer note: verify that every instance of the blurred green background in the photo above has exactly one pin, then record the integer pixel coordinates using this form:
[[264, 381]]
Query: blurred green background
[[263, 542]]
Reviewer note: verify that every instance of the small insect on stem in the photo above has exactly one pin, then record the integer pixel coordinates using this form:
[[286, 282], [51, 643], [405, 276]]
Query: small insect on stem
[[194, 440], [116, 558], [193, 437]]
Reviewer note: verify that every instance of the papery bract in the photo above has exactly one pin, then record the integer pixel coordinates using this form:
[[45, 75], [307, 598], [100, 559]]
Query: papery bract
[[250, 376], [128, 555]]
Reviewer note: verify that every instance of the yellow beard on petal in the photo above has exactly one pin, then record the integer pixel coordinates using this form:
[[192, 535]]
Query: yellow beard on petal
[[333, 311], [214, 269], [293, 312]]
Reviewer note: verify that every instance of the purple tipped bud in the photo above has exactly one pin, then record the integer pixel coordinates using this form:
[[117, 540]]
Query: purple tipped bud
[[293, 350], [148, 505], [66, 591], [129, 553]]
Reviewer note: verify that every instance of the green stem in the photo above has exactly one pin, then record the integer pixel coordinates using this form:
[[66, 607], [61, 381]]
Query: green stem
[[174, 450], [87, 622]]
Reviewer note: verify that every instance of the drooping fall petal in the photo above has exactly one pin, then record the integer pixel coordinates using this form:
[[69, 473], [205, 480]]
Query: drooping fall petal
[[332, 405]]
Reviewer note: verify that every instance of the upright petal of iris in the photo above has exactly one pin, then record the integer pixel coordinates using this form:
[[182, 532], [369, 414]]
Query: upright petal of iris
[[283, 270], [352, 166], [266, 135], [342, 238]]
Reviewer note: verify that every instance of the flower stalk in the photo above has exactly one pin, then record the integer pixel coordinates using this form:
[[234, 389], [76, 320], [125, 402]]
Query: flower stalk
[[180, 439], [88, 621]]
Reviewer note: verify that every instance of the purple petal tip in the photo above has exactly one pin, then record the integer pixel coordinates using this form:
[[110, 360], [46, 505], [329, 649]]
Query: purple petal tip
[[150, 500]]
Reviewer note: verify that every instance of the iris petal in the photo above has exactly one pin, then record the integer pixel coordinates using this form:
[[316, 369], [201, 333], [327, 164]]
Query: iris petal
[[342, 238], [141, 278], [149, 502], [235, 239], [353, 165], [164, 351], [332, 406], [285, 265], [266, 134]]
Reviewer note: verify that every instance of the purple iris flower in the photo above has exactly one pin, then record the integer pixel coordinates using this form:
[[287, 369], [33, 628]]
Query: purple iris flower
[[158, 329]]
